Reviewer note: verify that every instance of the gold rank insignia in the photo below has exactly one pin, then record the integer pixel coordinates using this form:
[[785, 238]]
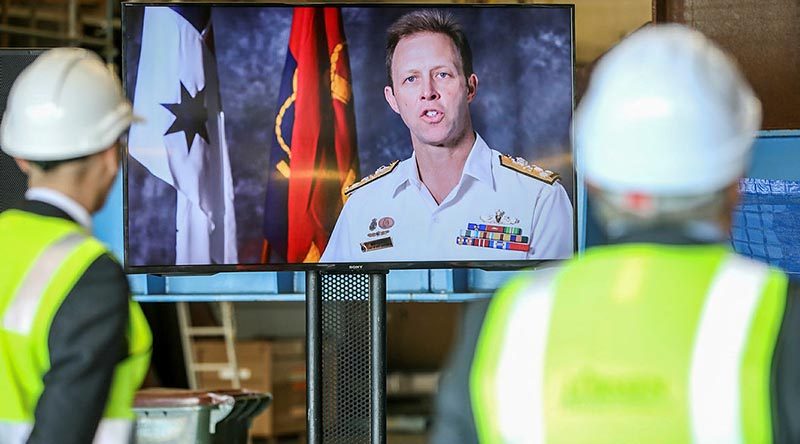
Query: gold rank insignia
[[521, 165], [380, 172]]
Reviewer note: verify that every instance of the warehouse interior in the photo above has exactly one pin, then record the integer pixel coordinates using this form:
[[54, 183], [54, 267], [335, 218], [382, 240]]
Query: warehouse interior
[[252, 325]]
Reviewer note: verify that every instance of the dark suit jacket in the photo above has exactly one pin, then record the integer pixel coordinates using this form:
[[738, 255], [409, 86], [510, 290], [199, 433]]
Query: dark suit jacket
[[86, 342]]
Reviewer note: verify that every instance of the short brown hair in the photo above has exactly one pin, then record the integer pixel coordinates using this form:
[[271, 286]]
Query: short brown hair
[[428, 20]]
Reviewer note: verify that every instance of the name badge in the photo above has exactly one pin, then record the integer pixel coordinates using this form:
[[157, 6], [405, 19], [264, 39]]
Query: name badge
[[377, 244]]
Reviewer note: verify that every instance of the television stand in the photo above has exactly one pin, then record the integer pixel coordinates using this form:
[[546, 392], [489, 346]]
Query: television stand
[[346, 357]]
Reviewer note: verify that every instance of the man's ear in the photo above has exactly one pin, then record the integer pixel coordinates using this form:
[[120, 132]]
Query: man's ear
[[732, 195], [109, 158], [23, 165], [388, 94], [731, 200], [472, 87]]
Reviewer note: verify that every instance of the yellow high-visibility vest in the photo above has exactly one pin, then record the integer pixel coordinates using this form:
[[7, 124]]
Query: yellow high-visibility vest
[[629, 344], [43, 258]]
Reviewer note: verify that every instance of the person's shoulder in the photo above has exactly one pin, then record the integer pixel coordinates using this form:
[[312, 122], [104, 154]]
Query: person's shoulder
[[519, 167], [371, 181], [40, 208], [102, 292], [107, 274]]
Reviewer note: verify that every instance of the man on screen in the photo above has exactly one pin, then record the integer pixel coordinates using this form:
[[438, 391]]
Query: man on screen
[[455, 198]]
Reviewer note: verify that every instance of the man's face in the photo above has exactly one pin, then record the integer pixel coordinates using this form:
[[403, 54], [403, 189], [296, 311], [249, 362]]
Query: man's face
[[430, 91]]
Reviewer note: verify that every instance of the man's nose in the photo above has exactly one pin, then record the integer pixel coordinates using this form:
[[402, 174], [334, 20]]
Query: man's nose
[[429, 91]]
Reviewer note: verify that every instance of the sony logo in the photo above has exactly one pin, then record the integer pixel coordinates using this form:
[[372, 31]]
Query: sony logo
[[355, 267]]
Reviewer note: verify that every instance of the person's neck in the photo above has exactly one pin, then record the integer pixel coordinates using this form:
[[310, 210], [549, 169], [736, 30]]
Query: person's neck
[[440, 167], [68, 188], [670, 233]]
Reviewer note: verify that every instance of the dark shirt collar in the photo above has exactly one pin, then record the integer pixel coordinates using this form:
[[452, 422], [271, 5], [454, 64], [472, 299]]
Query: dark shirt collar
[[43, 209], [687, 234], [63, 202]]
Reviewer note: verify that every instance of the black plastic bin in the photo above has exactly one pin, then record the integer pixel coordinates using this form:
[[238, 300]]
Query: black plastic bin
[[234, 428]]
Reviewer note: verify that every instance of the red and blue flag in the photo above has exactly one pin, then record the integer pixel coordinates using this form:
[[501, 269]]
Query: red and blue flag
[[313, 157]]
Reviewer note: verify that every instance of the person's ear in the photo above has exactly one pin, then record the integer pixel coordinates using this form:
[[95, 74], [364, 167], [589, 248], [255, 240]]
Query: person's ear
[[730, 200], [388, 94], [23, 165], [110, 158], [732, 195], [472, 87]]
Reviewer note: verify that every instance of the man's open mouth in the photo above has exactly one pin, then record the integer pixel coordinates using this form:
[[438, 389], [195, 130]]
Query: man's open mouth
[[432, 115]]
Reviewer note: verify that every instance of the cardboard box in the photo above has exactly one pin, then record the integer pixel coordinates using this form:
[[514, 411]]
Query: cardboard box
[[277, 367], [419, 335]]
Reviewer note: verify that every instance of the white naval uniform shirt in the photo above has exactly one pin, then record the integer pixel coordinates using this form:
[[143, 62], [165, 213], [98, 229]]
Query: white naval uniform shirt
[[421, 230]]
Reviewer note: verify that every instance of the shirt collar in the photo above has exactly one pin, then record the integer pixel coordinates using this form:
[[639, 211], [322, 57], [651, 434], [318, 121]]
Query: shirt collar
[[687, 233], [478, 165], [479, 162], [63, 203]]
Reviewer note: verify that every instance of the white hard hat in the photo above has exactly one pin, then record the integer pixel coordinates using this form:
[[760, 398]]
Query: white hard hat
[[666, 113], [66, 104]]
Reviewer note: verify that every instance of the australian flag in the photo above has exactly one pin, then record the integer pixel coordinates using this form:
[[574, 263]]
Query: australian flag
[[313, 156], [182, 140]]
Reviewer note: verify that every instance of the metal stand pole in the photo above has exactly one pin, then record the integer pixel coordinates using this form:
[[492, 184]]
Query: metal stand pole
[[377, 320], [313, 357]]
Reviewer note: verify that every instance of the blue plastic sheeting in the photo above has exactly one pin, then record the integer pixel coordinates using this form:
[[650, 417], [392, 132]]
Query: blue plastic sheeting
[[107, 223], [766, 226], [776, 155], [300, 297], [402, 285], [398, 281]]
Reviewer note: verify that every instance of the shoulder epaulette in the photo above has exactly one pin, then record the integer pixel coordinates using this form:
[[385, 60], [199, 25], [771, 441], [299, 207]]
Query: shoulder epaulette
[[380, 172], [521, 165]]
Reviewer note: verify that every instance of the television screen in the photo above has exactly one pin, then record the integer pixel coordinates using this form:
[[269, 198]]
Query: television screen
[[277, 137]]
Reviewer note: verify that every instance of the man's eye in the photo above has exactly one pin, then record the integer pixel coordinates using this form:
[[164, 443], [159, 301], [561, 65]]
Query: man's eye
[[443, 75], [410, 79]]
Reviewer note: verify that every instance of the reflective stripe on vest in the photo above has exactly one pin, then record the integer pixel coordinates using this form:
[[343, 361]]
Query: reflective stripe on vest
[[14, 432], [524, 323], [718, 349], [593, 386], [109, 431], [113, 431], [25, 303]]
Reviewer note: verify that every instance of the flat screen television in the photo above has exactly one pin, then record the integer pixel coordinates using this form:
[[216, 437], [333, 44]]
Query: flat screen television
[[282, 137]]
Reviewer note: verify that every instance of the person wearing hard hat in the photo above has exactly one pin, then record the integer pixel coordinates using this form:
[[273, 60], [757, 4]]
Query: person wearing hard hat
[[74, 347], [665, 335]]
